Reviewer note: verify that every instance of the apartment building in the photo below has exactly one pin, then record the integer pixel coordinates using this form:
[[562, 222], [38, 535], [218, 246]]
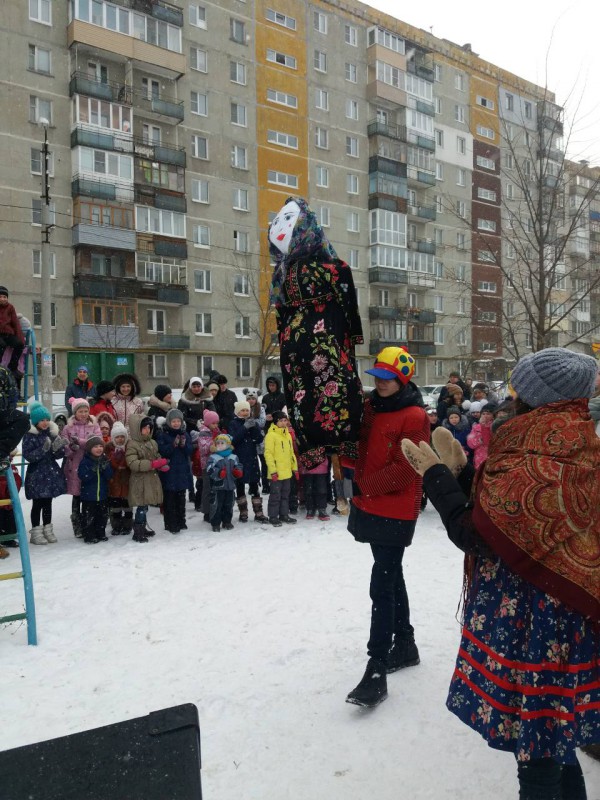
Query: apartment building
[[178, 129]]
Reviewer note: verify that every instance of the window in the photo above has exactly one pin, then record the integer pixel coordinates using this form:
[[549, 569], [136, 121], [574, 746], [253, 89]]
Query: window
[[155, 320], [486, 286], [486, 194], [35, 161], [351, 35], [322, 99], [438, 105], [485, 102], [239, 157], [324, 216], [150, 88], [37, 315], [510, 102], [486, 225], [528, 110], [157, 366], [36, 259], [509, 131], [461, 145], [281, 19], [282, 98], [487, 347], [151, 134], [352, 146], [438, 334], [241, 242], [352, 222], [527, 167], [439, 171], [488, 133], [322, 138], [41, 11], [351, 183], [461, 241], [283, 139], [202, 280], [36, 212], [383, 298], [461, 274], [437, 73], [322, 177], [439, 204], [459, 81], [238, 114], [351, 109], [319, 22], [390, 75], [201, 235], [203, 324], [486, 163], [199, 147], [387, 39], [508, 161], [461, 209], [156, 220], [459, 113], [439, 137], [350, 72], [281, 58], [240, 199], [198, 59], [461, 305], [510, 250], [282, 179], [204, 365], [39, 59], [320, 61], [241, 285], [243, 367], [199, 103], [39, 109], [242, 327], [438, 303], [353, 258], [200, 193], [237, 31], [197, 16], [461, 177], [237, 72], [486, 256], [486, 316]]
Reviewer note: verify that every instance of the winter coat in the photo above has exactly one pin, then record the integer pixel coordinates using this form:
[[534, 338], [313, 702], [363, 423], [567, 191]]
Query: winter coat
[[9, 322], [80, 389], [389, 487], [279, 453], [119, 483], [192, 406], [246, 442], [225, 406], [127, 407], [145, 488], [13, 426], [103, 406], [94, 474], [215, 464], [44, 477], [479, 441], [177, 479], [460, 431], [201, 453], [78, 432], [273, 401], [158, 408]]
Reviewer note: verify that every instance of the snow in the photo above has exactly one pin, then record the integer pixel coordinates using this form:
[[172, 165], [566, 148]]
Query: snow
[[264, 629]]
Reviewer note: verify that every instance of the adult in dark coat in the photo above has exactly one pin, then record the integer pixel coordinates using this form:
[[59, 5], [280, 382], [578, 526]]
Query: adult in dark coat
[[273, 399], [453, 379], [246, 437], [81, 387], [319, 326], [225, 402], [175, 443], [194, 400], [13, 424]]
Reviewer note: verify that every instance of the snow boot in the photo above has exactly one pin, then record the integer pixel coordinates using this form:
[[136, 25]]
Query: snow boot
[[342, 506], [48, 531], [324, 516], [287, 519], [257, 507], [216, 528], [403, 654], [127, 523], [372, 689], [242, 504], [228, 526], [116, 523], [37, 535], [139, 532], [76, 523], [3, 553], [275, 522]]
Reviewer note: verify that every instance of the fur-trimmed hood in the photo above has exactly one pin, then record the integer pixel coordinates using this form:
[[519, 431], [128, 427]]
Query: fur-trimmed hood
[[156, 403], [189, 397], [52, 429], [127, 377]]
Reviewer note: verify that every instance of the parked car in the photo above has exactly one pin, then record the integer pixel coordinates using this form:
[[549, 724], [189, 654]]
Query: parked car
[[59, 410], [433, 389]]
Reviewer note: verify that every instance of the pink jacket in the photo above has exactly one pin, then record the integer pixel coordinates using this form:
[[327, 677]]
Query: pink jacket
[[78, 432], [479, 441], [126, 406]]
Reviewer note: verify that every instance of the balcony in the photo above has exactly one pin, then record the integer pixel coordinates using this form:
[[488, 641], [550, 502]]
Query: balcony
[[415, 348], [378, 91], [421, 279], [386, 166], [111, 288], [88, 187], [104, 236], [421, 64], [421, 140], [166, 154], [423, 212], [422, 246], [386, 276], [392, 131], [552, 153], [417, 175], [106, 337], [387, 202], [160, 107], [172, 341], [549, 115], [101, 138], [384, 313], [82, 83], [423, 315], [153, 245], [151, 196]]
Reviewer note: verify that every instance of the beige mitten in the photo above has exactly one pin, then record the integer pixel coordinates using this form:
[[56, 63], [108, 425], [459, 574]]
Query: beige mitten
[[449, 450], [420, 458]]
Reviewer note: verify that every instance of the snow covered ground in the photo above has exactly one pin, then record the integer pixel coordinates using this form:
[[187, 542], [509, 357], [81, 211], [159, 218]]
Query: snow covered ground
[[264, 630]]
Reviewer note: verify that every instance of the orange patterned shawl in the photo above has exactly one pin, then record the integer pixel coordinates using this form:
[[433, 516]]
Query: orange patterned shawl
[[539, 502]]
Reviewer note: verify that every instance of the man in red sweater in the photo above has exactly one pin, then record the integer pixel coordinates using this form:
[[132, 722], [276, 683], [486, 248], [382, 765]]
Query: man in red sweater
[[384, 513], [11, 334]]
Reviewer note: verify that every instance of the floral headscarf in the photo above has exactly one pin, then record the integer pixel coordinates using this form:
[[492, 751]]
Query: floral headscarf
[[308, 242]]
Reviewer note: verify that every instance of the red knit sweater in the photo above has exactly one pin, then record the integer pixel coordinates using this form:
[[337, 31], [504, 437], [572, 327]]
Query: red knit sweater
[[9, 322], [389, 485]]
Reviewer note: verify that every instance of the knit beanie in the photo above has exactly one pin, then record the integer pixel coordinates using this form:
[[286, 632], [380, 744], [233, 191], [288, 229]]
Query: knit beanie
[[118, 429], [77, 402], [4, 290], [195, 379], [475, 406], [174, 413], [240, 406], [213, 386], [104, 387], [38, 412], [92, 442], [277, 415], [222, 379], [552, 375], [161, 391], [453, 410], [209, 417], [224, 438]]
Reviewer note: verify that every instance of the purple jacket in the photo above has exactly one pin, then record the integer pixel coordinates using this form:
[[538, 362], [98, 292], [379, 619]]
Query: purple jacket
[[78, 432]]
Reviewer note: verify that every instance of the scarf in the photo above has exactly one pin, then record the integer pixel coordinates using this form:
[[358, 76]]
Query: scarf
[[538, 502], [308, 242]]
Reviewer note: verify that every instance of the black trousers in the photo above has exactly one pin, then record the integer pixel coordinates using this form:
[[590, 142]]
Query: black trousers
[[9, 340], [545, 779], [390, 611], [41, 507], [174, 509], [240, 488], [279, 498], [221, 506], [315, 492], [94, 516]]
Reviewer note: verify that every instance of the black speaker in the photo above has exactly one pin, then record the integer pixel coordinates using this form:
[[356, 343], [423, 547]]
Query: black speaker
[[156, 757]]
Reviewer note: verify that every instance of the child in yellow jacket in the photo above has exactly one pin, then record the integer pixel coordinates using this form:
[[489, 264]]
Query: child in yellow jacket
[[281, 466]]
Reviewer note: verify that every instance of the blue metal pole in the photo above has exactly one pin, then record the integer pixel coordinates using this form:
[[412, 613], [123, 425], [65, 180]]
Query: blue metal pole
[[25, 561]]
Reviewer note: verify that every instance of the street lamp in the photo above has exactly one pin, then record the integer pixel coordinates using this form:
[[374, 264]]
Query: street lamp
[[46, 283]]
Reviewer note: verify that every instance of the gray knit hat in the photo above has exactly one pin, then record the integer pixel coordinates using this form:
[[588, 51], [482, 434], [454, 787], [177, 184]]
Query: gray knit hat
[[552, 375]]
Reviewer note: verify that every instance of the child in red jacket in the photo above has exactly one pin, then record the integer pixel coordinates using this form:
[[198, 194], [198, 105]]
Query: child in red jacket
[[8, 523], [11, 334]]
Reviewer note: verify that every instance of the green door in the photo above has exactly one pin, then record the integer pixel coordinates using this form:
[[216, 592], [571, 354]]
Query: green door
[[101, 366], [115, 363]]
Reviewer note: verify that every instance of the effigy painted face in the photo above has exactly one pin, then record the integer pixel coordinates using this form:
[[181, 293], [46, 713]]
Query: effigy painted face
[[282, 227]]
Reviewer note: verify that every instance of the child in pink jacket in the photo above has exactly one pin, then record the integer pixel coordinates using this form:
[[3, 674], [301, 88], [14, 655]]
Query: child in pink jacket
[[479, 437], [80, 427]]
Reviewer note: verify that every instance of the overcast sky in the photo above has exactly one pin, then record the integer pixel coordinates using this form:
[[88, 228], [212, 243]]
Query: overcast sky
[[550, 43]]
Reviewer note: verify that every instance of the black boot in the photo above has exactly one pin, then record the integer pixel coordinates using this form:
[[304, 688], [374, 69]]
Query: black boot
[[116, 522], [404, 653], [373, 687], [127, 523], [242, 504], [76, 522], [139, 532], [287, 519], [257, 507]]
